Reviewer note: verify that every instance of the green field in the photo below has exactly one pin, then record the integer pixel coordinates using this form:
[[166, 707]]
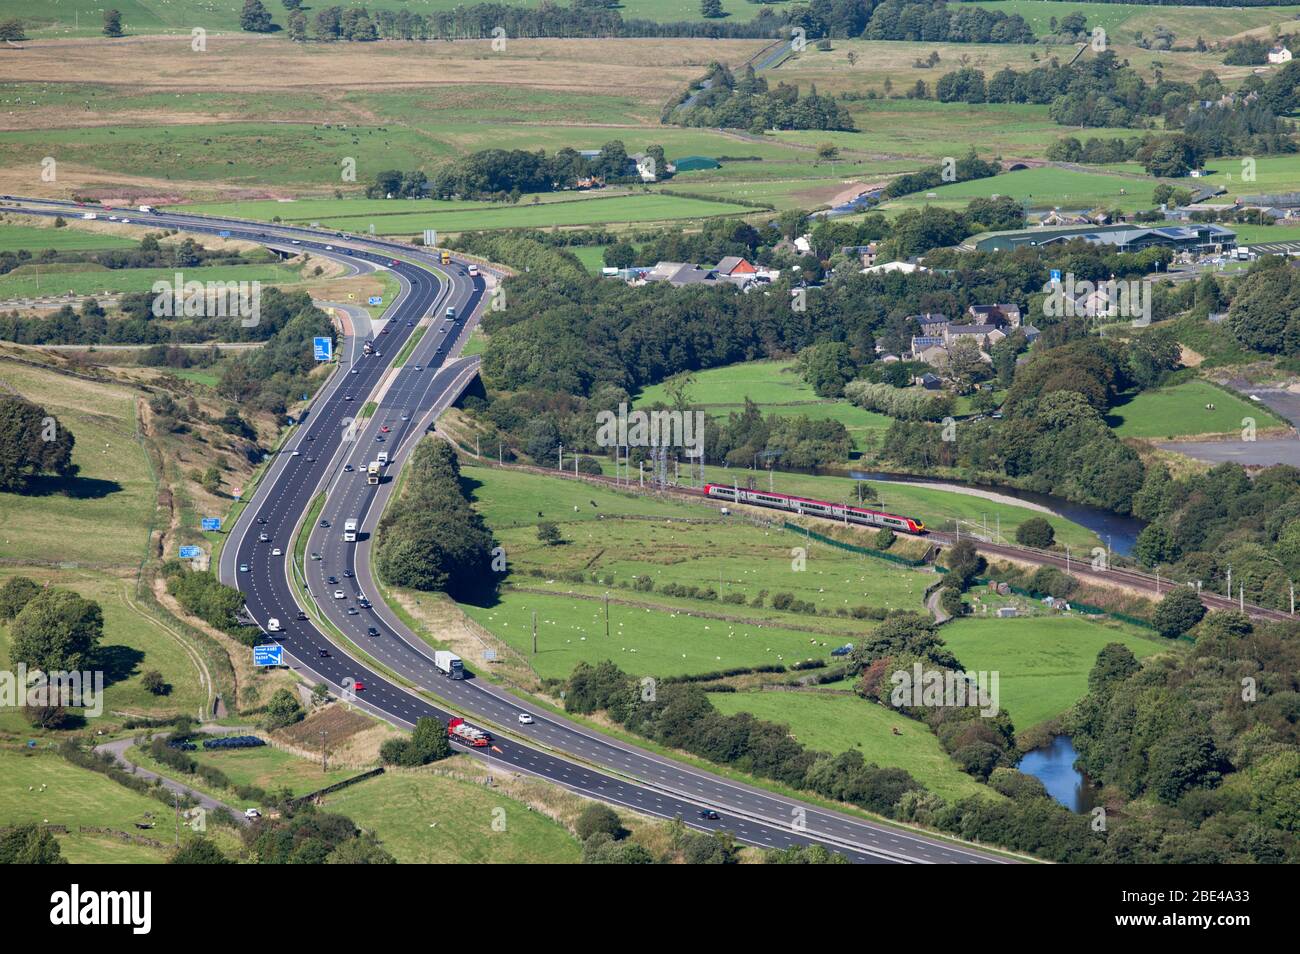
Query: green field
[[592, 210], [835, 721], [34, 239], [425, 818], [268, 768], [42, 787], [777, 388], [1043, 663], [1046, 187], [103, 518], [178, 16], [1121, 20], [33, 281], [1181, 411]]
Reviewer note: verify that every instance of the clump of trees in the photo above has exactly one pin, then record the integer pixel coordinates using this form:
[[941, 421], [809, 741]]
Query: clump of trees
[[427, 743], [718, 99], [431, 538], [904, 404]]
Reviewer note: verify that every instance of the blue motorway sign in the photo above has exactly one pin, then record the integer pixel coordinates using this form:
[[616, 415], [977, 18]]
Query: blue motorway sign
[[375, 300], [322, 349], [191, 553], [1056, 276], [212, 523], [270, 655], [224, 233]]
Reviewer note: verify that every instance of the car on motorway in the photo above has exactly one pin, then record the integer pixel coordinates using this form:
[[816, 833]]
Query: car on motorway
[[352, 611], [301, 614], [243, 568], [315, 555], [384, 429], [295, 453], [347, 468], [353, 371], [372, 631], [264, 537], [410, 324], [332, 580], [709, 814], [525, 719], [311, 437], [393, 262], [325, 524], [417, 368], [347, 574], [347, 397], [311, 460], [277, 552], [363, 603], [380, 438], [262, 520], [295, 242], [340, 595], [323, 653], [358, 686], [329, 248], [384, 331]]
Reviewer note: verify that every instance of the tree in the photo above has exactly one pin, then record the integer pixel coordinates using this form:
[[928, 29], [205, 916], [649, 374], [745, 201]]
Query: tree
[[549, 533], [828, 151], [56, 630], [620, 255], [255, 18], [199, 851], [112, 23], [1178, 612], [16, 593], [298, 30], [362, 850], [599, 818], [282, 710], [1036, 532], [827, 368], [11, 30], [31, 443], [153, 682], [711, 9]]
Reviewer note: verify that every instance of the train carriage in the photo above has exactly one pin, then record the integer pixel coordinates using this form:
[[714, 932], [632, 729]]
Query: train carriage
[[816, 508]]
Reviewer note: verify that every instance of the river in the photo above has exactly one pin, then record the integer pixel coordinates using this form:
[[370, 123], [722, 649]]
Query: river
[[1053, 765], [1119, 531]]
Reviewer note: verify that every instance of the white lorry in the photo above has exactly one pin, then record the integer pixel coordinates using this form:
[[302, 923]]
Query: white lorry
[[350, 530], [448, 664], [382, 459], [272, 625]]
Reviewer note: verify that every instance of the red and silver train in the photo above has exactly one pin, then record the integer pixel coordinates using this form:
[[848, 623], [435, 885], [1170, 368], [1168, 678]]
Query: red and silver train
[[816, 508]]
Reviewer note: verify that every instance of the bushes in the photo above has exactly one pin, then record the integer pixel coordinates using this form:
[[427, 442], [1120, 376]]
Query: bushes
[[428, 743], [906, 404], [206, 597], [1036, 532], [1178, 612]]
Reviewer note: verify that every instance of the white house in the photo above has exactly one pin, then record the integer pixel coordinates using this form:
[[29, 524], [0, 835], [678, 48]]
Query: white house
[[1279, 54]]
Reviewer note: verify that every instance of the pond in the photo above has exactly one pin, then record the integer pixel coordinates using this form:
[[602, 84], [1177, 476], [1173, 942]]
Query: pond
[[1053, 765]]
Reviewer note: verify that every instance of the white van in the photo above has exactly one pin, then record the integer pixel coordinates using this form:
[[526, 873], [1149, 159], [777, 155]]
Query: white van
[[272, 625], [383, 458]]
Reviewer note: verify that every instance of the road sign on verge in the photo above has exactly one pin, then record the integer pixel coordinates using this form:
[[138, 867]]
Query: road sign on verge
[[322, 348], [431, 237], [374, 300], [489, 655], [1056, 276], [212, 523], [270, 655], [191, 553]]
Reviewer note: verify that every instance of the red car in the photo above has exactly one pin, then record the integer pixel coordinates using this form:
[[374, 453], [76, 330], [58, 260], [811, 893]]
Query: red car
[[384, 428], [358, 686]]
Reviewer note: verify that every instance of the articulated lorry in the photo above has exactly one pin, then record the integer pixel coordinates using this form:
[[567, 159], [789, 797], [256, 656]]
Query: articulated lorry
[[372, 472], [448, 664], [458, 730]]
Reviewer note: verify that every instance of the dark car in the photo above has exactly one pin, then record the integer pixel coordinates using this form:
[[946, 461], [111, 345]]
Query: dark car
[[301, 614], [332, 580], [323, 653], [372, 631], [709, 814], [347, 574]]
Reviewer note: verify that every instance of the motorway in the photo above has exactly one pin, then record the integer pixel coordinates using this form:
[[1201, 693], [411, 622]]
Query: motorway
[[332, 436]]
